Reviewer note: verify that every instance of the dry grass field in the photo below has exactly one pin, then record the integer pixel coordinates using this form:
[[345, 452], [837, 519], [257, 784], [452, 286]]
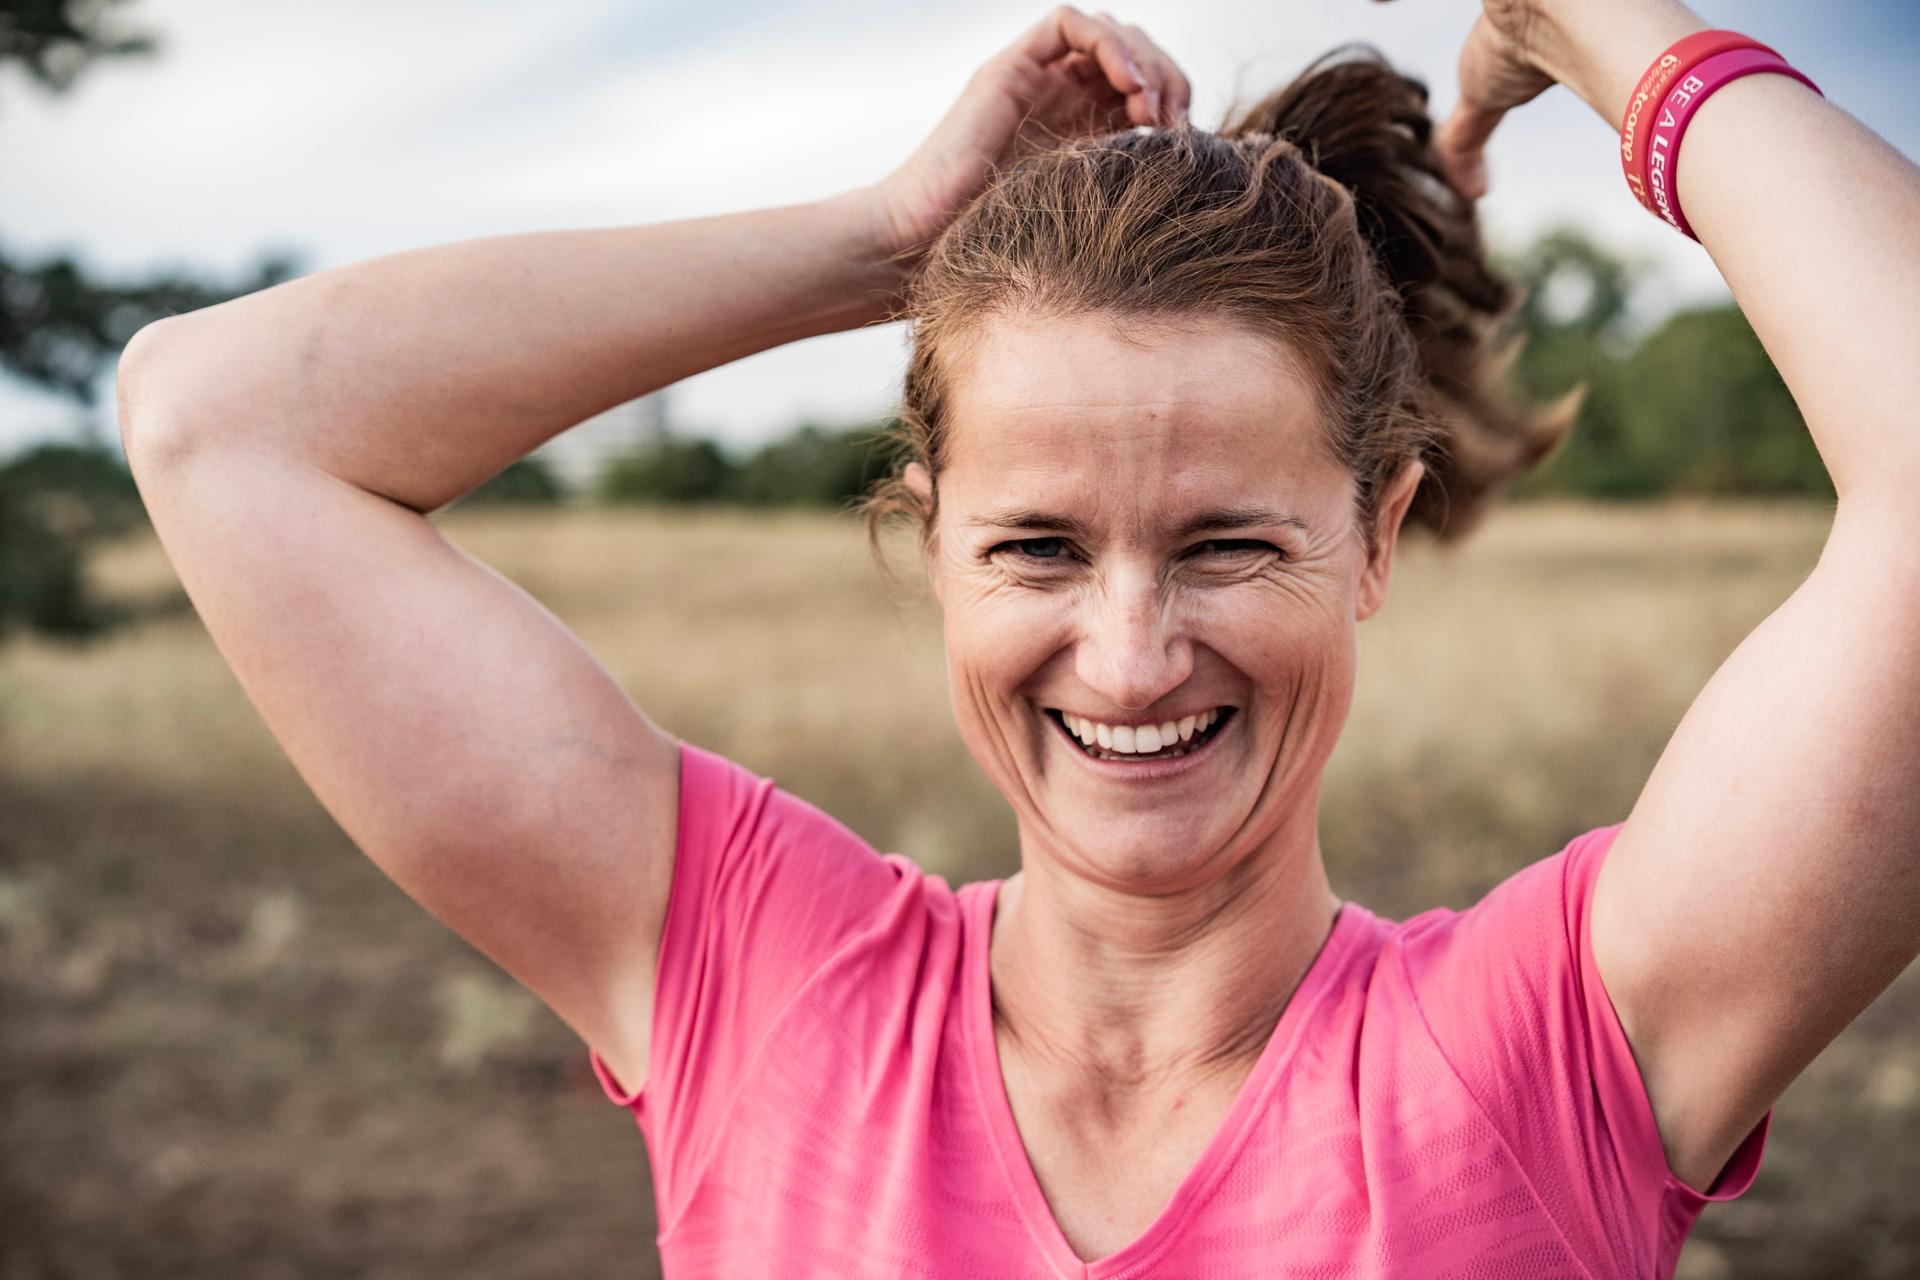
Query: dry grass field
[[229, 1047]]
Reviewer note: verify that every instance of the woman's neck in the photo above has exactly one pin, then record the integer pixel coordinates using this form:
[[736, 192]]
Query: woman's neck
[[1129, 990]]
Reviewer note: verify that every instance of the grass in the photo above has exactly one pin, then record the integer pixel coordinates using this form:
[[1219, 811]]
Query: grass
[[232, 1047]]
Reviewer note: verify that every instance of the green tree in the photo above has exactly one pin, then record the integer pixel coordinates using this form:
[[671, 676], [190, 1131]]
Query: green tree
[[1695, 406], [525, 482], [59, 329], [812, 466], [674, 470], [1572, 317], [56, 502], [1712, 414]]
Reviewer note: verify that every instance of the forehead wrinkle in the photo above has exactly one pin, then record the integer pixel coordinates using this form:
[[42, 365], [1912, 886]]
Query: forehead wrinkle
[[1072, 451], [1219, 516], [1110, 420], [1204, 365]]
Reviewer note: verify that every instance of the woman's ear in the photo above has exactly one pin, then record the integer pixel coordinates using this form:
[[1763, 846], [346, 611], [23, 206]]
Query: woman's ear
[[919, 482], [1393, 509]]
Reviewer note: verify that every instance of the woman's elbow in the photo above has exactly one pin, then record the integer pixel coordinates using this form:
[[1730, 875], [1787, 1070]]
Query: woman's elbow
[[148, 394]]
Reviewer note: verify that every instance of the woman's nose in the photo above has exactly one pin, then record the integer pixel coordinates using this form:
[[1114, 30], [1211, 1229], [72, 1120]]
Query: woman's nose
[[1131, 649]]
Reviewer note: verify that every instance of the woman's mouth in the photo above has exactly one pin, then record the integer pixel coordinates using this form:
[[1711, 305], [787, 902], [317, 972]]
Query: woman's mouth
[[1168, 740]]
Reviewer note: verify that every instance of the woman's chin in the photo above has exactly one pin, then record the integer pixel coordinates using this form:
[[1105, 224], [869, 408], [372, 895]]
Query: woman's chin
[[1141, 856]]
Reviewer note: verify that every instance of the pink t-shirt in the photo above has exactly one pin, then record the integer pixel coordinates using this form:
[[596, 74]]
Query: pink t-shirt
[[1445, 1096]]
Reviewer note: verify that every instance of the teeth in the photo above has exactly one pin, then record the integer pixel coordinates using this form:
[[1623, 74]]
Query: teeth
[[1142, 739]]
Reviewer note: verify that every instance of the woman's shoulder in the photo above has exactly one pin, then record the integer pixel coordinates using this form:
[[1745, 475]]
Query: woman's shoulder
[[1508, 992], [759, 863], [1524, 908], [1503, 987]]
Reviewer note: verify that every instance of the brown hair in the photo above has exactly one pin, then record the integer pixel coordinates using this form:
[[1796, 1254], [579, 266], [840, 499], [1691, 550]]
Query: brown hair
[[1319, 216]]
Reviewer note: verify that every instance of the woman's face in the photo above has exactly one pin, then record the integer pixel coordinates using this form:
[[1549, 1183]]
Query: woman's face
[[1134, 533]]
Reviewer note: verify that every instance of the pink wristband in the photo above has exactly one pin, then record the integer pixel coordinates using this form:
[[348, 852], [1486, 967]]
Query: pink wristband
[[1694, 88], [1682, 56]]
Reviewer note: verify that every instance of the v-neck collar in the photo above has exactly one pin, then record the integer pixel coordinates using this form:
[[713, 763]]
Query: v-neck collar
[[1198, 1184]]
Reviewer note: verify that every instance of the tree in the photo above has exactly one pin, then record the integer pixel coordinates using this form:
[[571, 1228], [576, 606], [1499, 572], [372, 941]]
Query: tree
[[55, 40], [524, 482], [56, 501], [673, 470], [810, 467], [58, 330], [1712, 414], [1695, 406]]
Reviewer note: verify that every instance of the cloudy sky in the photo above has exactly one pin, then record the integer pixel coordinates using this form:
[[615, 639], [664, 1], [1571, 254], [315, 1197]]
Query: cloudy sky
[[357, 128]]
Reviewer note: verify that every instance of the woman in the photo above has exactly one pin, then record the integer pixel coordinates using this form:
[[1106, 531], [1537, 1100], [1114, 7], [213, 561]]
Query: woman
[[1173, 396]]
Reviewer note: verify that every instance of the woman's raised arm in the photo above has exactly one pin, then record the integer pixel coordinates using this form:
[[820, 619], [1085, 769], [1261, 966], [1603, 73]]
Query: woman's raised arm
[[1765, 887], [418, 375], [289, 443]]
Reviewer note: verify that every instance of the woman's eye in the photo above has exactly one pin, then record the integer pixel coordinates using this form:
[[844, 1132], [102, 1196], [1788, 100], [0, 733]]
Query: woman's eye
[[1056, 549], [1238, 546], [1037, 548]]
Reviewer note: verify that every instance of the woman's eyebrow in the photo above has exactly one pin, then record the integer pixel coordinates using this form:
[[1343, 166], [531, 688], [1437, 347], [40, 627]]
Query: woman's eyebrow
[[1211, 520], [1029, 518], [1237, 518]]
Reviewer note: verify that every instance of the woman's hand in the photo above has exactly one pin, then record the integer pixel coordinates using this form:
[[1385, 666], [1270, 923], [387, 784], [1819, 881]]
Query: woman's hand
[[1071, 75], [1502, 65]]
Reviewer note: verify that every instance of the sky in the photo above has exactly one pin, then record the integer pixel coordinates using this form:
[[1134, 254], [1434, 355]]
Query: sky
[[363, 127]]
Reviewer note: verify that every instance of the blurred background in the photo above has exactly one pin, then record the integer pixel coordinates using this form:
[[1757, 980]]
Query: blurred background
[[228, 1046]]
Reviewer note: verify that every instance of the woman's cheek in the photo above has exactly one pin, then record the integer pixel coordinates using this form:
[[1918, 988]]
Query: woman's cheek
[[999, 633], [1008, 611], [1265, 626]]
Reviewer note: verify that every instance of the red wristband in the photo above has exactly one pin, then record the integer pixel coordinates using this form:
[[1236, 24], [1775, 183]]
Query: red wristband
[[1685, 54], [1670, 123]]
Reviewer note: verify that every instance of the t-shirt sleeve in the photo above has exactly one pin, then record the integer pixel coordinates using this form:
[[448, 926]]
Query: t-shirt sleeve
[[1510, 992], [766, 890]]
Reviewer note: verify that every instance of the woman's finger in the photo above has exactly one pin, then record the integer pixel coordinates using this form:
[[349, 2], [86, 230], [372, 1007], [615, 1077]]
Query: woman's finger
[[1152, 88], [1105, 107], [1462, 143], [1083, 69], [1494, 79], [1067, 30], [1462, 138], [1143, 102], [1176, 94]]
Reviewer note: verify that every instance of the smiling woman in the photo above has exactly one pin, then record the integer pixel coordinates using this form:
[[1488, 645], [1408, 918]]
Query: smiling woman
[[1133, 440], [1173, 395]]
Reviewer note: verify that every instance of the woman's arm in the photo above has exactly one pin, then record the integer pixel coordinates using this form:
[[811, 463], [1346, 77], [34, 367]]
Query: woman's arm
[[1765, 887], [288, 445], [418, 375]]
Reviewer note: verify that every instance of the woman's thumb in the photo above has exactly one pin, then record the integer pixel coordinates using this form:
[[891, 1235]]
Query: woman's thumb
[[1461, 143]]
